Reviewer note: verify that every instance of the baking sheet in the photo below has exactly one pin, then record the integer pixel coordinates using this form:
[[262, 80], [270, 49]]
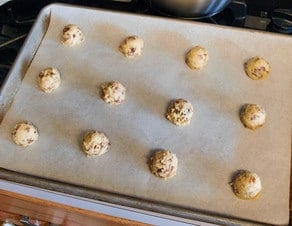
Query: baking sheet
[[210, 150]]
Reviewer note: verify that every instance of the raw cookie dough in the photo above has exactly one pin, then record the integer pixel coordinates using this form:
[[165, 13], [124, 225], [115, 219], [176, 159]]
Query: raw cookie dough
[[72, 35], [197, 58], [257, 68], [163, 164], [95, 143], [180, 112], [252, 116], [25, 134], [247, 185], [113, 93], [132, 46], [49, 79]]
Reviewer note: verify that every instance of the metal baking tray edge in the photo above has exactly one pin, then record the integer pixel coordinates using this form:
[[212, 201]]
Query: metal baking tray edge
[[7, 92], [26, 54], [121, 200]]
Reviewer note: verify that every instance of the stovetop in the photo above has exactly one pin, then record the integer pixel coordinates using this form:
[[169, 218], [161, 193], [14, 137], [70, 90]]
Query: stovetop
[[16, 19]]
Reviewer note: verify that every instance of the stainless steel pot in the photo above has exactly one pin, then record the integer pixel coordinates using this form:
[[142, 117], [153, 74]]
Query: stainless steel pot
[[190, 8]]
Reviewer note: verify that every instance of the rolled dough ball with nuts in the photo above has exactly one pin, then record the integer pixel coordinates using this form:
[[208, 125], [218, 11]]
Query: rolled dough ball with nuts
[[49, 79], [257, 68], [113, 93], [25, 134], [253, 116], [72, 35], [197, 58], [180, 112], [95, 143], [132, 46], [247, 185], [163, 164]]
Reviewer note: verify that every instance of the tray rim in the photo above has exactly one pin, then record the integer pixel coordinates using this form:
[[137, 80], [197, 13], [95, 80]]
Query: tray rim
[[13, 79], [120, 199]]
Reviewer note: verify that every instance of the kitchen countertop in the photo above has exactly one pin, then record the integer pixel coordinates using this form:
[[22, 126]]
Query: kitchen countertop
[[99, 207]]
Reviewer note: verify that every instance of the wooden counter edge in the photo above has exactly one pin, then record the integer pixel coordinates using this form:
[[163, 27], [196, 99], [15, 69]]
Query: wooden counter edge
[[54, 212]]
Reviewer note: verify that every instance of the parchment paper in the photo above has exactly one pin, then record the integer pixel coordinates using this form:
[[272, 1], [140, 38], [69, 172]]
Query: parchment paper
[[210, 150]]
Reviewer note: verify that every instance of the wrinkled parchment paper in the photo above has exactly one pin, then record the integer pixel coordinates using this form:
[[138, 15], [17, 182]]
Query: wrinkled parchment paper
[[209, 151]]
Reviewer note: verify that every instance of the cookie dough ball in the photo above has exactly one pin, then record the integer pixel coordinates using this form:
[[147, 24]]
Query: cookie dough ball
[[247, 185], [49, 79], [163, 164], [180, 112], [197, 58], [257, 68], [132, 46], [72, 35], [95, 143], [113, 93], [25, 134], [252, 116]]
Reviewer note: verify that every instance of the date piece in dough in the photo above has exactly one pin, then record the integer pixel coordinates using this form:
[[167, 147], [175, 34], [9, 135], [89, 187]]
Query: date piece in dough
[[247, 185], [257, 68], [252, 116], [197, 58], [72, 35], [132, 46], [163, 164], [113, 93], [180, 112], [49, 79], [95, 143], [25, 134]]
